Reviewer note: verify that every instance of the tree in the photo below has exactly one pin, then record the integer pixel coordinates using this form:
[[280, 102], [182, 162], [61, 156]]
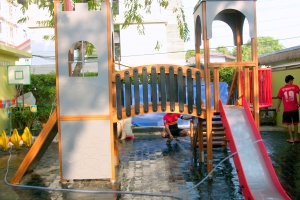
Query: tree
[[223, 50], [192, 53], [265, 44], [131, 15]]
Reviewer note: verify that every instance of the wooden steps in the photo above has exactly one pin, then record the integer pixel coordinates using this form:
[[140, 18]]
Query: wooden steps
[[218, 133]]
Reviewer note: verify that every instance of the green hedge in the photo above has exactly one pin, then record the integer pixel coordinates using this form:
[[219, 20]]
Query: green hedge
[[43, 88]]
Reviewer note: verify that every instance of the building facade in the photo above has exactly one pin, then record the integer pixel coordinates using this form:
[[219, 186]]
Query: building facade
[[8, 56], [11, 33]]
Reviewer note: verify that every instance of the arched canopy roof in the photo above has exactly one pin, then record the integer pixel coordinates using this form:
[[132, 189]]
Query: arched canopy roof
[[231, 12]]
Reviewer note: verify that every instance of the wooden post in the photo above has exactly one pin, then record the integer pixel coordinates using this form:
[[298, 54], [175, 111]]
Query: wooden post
[[216, 88], [56, 2], [239, 57], [207, 93], [254, 80], [192, 133], [111, 64], [200, 139]]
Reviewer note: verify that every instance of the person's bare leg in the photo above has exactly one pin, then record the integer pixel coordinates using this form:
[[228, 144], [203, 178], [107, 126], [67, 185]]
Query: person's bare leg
[[289, 127], [296, 132], [164, 134], [183, 133]]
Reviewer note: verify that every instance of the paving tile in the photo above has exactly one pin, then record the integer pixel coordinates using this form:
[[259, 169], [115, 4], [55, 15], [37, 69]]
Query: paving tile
[[148, 165]]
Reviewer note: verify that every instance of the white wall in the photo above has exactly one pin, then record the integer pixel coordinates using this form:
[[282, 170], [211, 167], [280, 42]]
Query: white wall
[[140, 49], [217, 59], [160, 26]]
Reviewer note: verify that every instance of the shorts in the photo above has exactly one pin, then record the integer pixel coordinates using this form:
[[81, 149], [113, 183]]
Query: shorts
[[175, 131], [290, 117]]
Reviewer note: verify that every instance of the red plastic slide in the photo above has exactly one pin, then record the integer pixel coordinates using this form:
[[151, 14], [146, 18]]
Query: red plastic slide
[[254, 168]]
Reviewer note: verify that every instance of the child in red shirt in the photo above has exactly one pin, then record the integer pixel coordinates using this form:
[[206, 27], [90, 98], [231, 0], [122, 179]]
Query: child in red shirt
[[288, 95], [171, 127]]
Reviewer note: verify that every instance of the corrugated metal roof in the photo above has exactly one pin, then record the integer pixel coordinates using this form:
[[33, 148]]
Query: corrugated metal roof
[[284, 54]]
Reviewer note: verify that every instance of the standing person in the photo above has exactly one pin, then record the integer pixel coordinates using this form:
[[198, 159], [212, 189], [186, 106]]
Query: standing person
[[171, 127], [288, 94]]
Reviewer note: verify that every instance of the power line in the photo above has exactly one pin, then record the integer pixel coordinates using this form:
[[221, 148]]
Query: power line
[[52, 57]]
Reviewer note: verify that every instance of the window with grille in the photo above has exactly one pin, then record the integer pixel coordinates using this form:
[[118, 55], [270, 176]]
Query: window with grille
[[83, 60]]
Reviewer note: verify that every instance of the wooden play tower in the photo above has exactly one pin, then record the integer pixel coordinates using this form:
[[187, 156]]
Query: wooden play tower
[[233, 13], [86, 119]]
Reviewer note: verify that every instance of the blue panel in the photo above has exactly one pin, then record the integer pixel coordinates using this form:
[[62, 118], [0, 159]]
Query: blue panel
[[155, 119]]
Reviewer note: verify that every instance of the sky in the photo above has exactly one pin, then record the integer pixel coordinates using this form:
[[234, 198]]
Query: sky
[[279, 19]]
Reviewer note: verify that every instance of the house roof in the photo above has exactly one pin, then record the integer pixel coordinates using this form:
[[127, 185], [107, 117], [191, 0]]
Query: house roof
[[212, 54], [216, 54], [23, 45], [5, 50], [284, 54]]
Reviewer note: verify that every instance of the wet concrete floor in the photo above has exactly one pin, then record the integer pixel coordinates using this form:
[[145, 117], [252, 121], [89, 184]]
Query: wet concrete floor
[[149, 166]]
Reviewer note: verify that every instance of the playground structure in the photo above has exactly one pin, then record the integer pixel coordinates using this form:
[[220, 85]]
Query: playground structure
[[88, 108]]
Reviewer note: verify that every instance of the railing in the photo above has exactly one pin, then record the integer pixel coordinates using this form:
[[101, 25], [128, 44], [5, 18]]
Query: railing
[[157, 88], [264, 83], [233, 91]]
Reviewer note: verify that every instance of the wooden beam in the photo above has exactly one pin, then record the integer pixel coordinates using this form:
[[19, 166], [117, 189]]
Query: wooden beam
[[157, 67], [239, 57], [200, 139], [111, 67], [231, 64], [116, 145], [84, 117], [255, 94], [247, 84], [232, 87], [159, 109], [216, 88], [56, 2], [207, 91], [192, 133]]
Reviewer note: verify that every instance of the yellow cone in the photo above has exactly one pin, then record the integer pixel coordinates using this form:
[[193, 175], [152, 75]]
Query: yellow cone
[[27, 137], [4, 141], [15, 139]]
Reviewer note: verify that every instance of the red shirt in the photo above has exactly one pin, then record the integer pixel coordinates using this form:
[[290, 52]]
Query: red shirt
[[288, 94], [171, 118]]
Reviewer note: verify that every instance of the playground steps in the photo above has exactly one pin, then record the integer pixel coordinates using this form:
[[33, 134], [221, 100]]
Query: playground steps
[[218, 132]]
